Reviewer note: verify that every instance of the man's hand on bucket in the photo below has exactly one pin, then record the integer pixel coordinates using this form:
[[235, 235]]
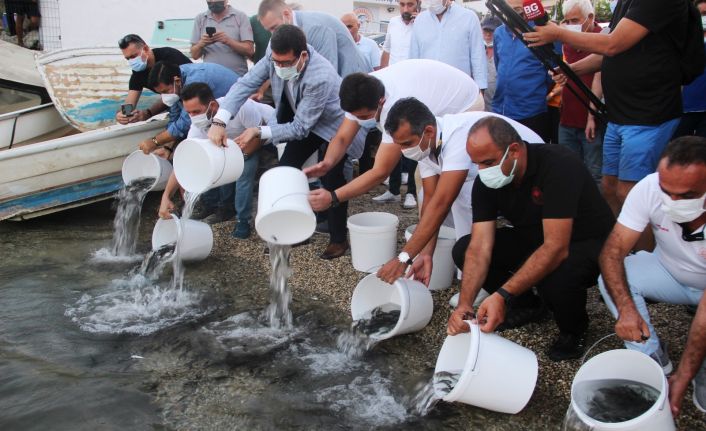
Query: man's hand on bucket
[[217, 135], [457, 324], [392, 270], [166, 208], [631, 326], [249, 140], [421, 269], [320, 199], [491, 312]]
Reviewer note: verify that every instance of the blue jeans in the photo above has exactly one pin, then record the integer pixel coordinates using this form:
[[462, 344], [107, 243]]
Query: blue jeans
[[590, 152], [242, 189], [647, 278]]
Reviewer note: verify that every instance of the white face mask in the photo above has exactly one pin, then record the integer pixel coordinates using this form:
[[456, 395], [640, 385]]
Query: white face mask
[[578, 28], [137, 64], [171, 99], [493, 176], [612, 5], [287, 73], [202, 121], [683, 210], [416, 153], [436, 7]]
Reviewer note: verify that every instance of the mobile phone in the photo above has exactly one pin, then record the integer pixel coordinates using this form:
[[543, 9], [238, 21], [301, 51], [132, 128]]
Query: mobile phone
[[127, 109], [210, 31]]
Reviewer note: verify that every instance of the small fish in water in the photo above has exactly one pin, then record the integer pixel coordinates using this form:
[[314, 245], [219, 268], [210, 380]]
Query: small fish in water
[[382, 320], [615, 400], [445, 381], [156, 258]]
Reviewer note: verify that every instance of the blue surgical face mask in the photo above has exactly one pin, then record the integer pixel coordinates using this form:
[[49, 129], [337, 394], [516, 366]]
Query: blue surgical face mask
[[494, 178], [137, 64], [370, 122]]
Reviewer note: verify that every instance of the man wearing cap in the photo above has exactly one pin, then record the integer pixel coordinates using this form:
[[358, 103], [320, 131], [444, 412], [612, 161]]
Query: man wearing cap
[[489, 24]]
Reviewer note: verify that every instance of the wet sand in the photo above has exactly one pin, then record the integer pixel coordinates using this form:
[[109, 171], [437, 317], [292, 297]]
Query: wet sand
[[332, 283]]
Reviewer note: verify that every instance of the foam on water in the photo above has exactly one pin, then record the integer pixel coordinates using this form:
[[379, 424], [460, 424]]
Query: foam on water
[[134, 306], [247, 329], [105, 255]]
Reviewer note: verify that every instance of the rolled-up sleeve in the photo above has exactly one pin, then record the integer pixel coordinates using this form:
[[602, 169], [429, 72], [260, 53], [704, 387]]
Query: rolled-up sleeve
[[179, 121]]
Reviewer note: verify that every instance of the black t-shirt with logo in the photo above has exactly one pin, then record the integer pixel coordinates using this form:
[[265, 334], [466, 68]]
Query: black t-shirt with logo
[[138, 80], [642, 85], [556, 185]]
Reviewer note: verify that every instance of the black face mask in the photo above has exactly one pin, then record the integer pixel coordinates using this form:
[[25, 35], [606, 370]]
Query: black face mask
[[217, 6], [406, 16]]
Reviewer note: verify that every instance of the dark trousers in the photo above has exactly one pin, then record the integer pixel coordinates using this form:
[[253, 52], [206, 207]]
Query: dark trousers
[[404, 165], [563, 290], [692, 123], [372, 142], [540, 124], [295, 154]]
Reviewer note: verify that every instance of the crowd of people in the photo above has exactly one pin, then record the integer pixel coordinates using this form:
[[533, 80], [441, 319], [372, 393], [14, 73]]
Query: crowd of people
[[491, 142]]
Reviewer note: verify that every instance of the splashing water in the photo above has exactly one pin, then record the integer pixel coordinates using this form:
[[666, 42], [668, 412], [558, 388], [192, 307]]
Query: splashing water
[[134, 306], [127, 217], [441, 384], [572, 421], [278, 311], [190, 200], [366, 332], [154, 262]]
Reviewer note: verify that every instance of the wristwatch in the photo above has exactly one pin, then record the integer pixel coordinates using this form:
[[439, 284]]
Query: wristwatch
[[404, 258], [507, 296], [155, 141], [334, 199]]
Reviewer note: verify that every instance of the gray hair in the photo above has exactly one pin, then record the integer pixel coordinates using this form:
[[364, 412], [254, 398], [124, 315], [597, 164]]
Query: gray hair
[[585, 6]]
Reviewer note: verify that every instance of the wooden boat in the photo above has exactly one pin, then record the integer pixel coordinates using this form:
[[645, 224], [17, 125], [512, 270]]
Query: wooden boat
[[57, 174], [88, 85]]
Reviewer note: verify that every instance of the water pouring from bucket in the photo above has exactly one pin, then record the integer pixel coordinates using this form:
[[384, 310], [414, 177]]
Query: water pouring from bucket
[[140, 165], [200, 165]]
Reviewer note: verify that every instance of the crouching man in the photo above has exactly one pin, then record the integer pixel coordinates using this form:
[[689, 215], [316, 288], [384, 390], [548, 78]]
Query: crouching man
[[201, 106], [671, 203], [559, 221]]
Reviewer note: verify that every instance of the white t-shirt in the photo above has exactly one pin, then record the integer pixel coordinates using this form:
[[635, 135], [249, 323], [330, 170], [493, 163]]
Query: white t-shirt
[[370, 51], [443, 88], [452, 131], [398, 39], [251, 114], [685, 261]]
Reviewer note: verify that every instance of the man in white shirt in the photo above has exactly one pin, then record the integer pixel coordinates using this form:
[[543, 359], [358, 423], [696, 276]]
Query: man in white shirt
[[451, 34], [367, 99], [202, 106], [399, 33], [671, 203], [439, 145], [366, 46]]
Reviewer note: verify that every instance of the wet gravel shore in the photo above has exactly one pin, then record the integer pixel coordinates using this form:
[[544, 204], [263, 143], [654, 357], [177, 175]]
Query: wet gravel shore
[[332, 283]]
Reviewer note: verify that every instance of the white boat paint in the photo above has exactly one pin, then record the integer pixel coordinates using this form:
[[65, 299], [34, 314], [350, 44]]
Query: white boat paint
[[23, 126]]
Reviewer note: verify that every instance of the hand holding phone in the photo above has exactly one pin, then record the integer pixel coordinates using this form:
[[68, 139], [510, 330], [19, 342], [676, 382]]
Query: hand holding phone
[[210, 31], [127, 109]]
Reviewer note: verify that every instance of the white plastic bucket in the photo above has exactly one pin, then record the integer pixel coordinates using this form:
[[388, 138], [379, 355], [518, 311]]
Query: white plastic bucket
[[201, 165], [444, 268], [195, 238], [284, 215], [311, 161], [632, 365], [141, 165], [497, 375], [414, 299], [373, 239]]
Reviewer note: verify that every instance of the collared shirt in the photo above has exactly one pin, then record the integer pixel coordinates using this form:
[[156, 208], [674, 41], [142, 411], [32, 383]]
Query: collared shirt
[[251, 114], [573, 112], [556, 185], [456, 40], [370, 51], [331, 39], [398, 39], [217, 77], [522, 81], [236, 26]]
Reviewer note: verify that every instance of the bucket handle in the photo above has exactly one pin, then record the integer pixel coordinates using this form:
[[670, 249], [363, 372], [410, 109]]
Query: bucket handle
[[588, 351], [288, 195], [223, 168]]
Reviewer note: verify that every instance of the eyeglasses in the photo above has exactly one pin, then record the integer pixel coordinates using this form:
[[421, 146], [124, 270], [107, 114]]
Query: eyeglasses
[[692, 237], [130, 38], [287, 63]]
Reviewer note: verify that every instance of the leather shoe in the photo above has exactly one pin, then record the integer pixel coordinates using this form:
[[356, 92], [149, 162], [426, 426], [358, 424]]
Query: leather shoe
[[334, 250]]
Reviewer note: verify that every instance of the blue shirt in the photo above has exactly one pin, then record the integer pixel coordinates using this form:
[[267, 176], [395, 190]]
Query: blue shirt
[[217, 77], [694, 95], [522, 81], [456, 40]]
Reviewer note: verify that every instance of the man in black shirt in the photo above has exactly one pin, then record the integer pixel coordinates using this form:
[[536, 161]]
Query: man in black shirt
[[142, 59], [640, 60], [558, 220]]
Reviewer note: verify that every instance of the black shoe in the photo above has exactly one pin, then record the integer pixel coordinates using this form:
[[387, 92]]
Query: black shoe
[[322, 227], [520, 316], [220, 216], [335, 250], [567, 346]]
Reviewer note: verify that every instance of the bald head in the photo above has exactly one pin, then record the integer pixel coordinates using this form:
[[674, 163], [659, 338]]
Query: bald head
[[350, 20]]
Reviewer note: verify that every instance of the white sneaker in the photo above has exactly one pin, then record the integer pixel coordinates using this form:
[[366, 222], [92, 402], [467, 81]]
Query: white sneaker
[[409, 201], [387, 181], [405, 177], [386, 197]]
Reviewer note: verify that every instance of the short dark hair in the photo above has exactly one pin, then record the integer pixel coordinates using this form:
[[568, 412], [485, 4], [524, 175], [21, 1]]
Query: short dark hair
[[698, 2], [198, 90], [131, 38], [163, 73], [501, 132], [269, 5], [412, 111], [288, 38], [360, 90], [686, 150]]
